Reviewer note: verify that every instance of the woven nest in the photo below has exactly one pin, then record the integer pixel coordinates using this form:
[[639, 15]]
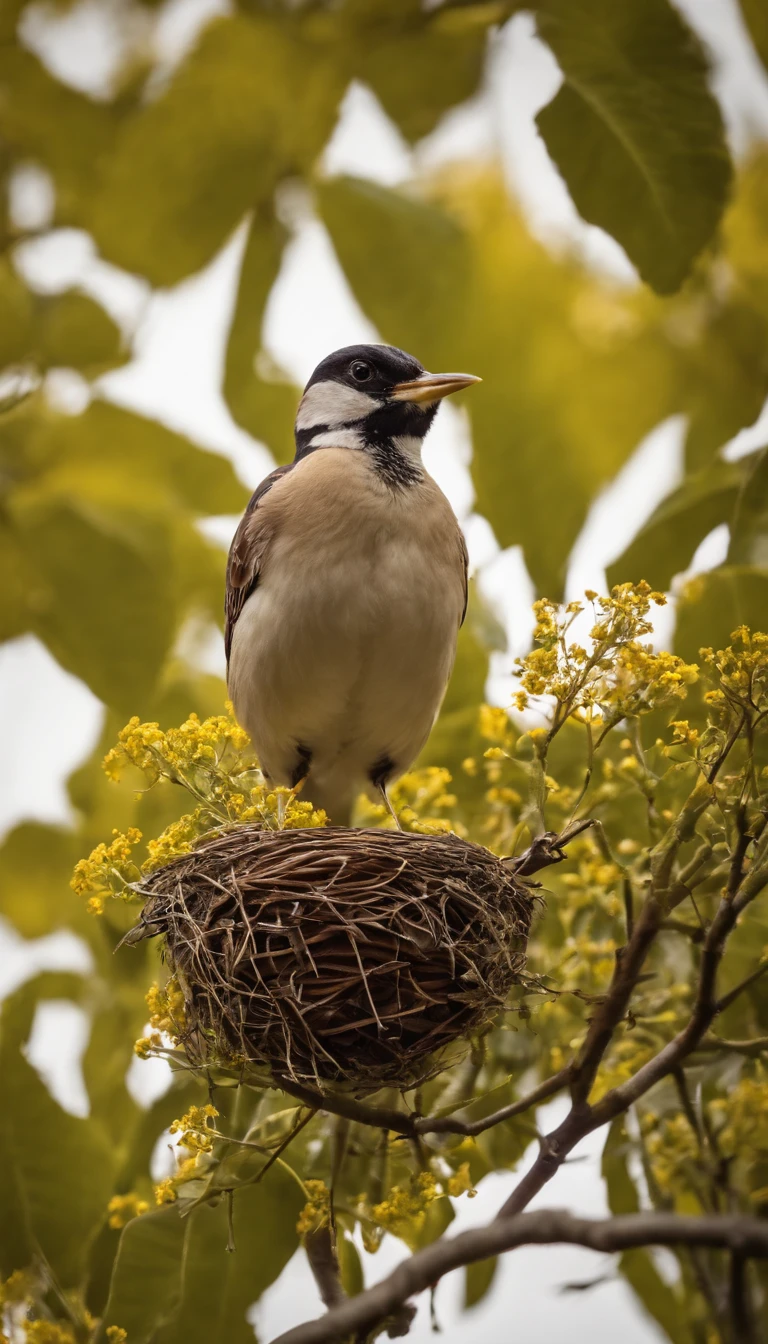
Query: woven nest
[[335, 955]]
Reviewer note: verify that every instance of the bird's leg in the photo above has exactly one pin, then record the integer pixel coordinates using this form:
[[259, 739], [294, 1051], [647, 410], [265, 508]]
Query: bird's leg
[[383, 791]]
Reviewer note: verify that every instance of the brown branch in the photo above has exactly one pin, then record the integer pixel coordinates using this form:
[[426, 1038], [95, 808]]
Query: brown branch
[[414, 1126], [583, 1118], [753, 1049], [548, 848], [744, 1237], [324, 1263]]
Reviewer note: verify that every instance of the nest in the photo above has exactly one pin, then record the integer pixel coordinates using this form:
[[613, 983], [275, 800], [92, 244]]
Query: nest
[[336, 955]]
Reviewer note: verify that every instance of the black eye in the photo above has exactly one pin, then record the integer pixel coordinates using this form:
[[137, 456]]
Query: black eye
[[360, 371]]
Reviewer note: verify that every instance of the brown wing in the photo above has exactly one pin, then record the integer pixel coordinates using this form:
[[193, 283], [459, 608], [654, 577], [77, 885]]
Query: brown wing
[[245, 555]]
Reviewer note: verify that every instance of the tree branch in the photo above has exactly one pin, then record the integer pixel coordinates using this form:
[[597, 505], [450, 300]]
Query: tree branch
[[744, 1237]]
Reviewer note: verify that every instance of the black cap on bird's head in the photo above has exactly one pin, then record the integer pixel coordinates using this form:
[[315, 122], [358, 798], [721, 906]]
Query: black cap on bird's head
[[372, 396]]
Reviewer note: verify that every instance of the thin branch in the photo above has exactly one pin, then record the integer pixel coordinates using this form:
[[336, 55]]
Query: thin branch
[[752, 1049], [744, 1237], [414, 1126]]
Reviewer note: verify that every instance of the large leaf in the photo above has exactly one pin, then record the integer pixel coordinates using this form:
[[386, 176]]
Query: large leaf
[[219, 1286], [192, 1287], [266, 409], [712, 606], [146, 1281], [665, 544], [407, 260], [635, 131], [465, 286], [101, 606], [42, 120], [749, 528], [419, 63], [75, 332], [16, 316], [656, 1296], [756, 18], [188, 164], [47, 1204], [36, 864]]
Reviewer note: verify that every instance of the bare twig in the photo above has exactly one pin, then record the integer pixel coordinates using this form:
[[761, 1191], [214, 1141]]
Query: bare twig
[[744, 1237]]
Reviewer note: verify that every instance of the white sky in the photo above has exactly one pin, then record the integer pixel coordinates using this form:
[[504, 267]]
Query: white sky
[[175, 375]]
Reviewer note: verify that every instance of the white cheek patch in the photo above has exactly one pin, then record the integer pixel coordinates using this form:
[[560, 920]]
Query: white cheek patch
[[410, 446], [337, 438], [330, 403]]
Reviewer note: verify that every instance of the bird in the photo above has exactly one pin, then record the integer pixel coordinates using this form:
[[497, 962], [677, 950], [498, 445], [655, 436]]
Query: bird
[[346, 585]]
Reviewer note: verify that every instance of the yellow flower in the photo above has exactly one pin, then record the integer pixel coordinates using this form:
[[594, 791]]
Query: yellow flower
[[48, 1332], [122, 1208], [16, 1288], [317, 1210], [116, 1334], [166, 1008], [146, 1044], [460, 1183], [196, 1127], [108, 870]]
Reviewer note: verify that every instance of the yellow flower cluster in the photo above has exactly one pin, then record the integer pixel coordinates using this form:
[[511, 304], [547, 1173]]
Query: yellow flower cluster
[[108, 870], [404, 1211], [417, 798], [167, 1191], [460, 1183], [616, 675], [166, 1008], [16, 1288], [122, 1208], [213, 760], [745, 1116], [48, 1332], [317, 1210], [741, 672], [672, 1147], [116, 1334], [192, 746], [197, 1128]]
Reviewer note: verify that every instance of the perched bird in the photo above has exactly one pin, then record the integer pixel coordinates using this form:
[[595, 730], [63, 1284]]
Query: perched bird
[[347, 584]]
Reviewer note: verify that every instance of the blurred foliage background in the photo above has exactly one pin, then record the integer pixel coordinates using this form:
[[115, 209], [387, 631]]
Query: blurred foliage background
[[104, 556]]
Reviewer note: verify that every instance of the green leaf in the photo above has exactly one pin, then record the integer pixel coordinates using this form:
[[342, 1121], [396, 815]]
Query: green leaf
[[146, 1280], [749, 528], [47, 1206], [16, 316], [42, 120], [100, 605], [755, 16], [665, 545], [419, 64], [255, 101], [118, 455], [712, 605], [75, 332], [635, 131], [218, 1286], [36, 864], [659, 1300], [266, 409], [350, 1265], [416, 290], [478, 1279]]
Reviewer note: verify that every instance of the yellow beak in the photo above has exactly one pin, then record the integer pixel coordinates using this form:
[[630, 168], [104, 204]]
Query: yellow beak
[[433, 386]]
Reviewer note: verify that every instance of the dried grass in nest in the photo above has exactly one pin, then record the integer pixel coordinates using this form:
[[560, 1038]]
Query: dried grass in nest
[[336, 955]]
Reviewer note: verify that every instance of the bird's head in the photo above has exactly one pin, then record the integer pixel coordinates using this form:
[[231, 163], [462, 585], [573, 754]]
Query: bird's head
[[375, 398]]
